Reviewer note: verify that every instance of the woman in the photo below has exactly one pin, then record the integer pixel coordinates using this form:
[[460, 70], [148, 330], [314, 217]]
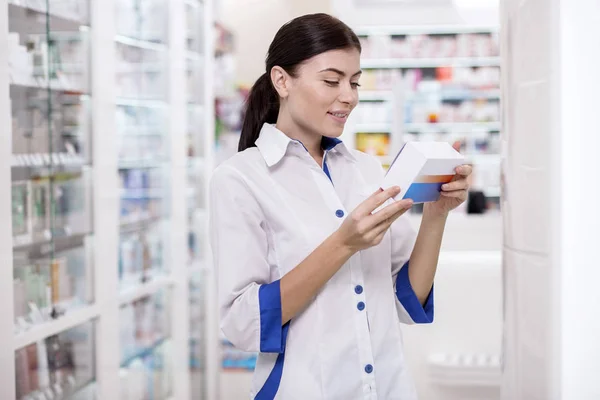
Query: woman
[[309, 275]]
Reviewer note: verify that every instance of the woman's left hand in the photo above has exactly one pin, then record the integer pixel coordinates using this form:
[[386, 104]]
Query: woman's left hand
[[453, 193]]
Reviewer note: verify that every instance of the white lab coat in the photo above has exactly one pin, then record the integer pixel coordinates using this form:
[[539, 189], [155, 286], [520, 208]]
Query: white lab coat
[[271, 206]]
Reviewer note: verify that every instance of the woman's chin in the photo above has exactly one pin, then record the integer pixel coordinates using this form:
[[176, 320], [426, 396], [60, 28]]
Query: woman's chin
[[334, 132]]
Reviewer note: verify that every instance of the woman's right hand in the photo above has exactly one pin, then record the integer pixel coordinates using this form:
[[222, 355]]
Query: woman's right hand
[[363, 228]]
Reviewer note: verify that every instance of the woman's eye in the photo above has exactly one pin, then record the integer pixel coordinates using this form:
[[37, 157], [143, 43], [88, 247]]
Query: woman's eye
[[355, 85], [331, 83]]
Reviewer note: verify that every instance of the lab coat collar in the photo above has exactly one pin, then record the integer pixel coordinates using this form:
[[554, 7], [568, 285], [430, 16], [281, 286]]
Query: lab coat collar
[[273, 144]]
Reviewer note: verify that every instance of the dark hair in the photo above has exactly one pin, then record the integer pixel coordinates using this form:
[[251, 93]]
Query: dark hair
[[295, 42]]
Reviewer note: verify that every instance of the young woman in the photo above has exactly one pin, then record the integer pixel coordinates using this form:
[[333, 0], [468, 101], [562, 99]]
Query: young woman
[[316, 266]]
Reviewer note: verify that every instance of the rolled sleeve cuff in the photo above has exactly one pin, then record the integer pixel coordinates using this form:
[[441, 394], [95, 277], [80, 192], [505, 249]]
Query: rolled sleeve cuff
[[272, 335], [420, 314]]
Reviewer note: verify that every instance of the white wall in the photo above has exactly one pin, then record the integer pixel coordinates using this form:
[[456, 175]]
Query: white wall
[[254, 24]]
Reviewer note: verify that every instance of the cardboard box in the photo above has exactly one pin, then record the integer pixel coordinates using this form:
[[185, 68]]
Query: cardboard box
[[421, 168]]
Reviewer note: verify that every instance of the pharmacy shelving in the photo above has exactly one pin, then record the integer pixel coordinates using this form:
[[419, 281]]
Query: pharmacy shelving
[[430, 83], [104, 97], [199, 108], [464, 62]]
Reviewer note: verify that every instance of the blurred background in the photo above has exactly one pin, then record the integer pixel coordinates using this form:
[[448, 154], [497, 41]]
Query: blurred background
[[117, 111]]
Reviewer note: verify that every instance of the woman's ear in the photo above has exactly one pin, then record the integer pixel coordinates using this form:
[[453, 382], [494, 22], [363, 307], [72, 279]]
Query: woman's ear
[[281, 81]]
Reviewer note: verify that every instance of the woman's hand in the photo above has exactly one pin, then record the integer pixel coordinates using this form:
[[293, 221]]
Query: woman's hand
[[363, 228], [453, 193]]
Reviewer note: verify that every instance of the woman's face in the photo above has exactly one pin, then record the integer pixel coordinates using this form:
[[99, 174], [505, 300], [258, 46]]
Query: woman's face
[[324, 92]]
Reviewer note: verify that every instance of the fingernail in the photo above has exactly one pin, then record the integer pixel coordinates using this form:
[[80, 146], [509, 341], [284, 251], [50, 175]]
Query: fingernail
[[444, 187]]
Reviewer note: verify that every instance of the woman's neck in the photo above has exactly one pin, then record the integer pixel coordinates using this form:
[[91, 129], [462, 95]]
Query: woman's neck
[[311, 141]]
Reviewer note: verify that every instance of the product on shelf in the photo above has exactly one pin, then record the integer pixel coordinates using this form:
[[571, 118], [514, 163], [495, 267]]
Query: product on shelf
[[377, 144], [141, 73], [144, 20], [35, 221], [45, 289], [142, 194], [430, 46], [144, 329], [56, 367]]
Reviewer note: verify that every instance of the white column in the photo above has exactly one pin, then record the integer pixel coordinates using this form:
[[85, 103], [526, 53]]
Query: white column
[[106, 198], [7, 354], [579, 226], [212, 342], [552, 223], [180, 315]]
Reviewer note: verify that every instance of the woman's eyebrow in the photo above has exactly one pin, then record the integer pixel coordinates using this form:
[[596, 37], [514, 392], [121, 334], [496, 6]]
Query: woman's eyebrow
[[339, 72]]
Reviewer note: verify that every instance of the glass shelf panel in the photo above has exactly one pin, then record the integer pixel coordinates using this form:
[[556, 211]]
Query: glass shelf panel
[[58, 367]]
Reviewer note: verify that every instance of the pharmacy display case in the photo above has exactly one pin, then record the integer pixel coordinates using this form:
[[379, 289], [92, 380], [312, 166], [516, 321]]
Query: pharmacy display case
[[104, 163], [431, 83]]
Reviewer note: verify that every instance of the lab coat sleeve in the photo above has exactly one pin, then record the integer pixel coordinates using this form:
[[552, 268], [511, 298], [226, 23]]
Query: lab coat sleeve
[[249, 299], [410, 309]]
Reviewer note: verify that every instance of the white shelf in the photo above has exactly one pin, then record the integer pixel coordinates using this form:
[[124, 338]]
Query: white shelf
[[483, 158], [193, 56], [375, 95], [451, 126], [389, 63], [40, 7], [193, 3], [70, 320], [125, 101], [139, 43], [140, 164], [144, 290], [373, 128], [424, 30], [492, 192], [41, 84], [445, 94]]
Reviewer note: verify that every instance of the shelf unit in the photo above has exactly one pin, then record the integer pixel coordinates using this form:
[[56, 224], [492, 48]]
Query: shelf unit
[[430, 83], [105, 197]]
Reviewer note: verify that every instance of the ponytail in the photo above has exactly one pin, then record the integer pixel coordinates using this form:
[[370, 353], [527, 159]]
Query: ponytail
[[262, 106]]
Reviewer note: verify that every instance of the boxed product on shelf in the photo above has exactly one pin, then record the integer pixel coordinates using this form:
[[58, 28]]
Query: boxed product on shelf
[[144, 20], [33, 217], [142, 194], [56, 367], [377, 144], [430, 46], [45, 288], [141, 72], [144, 328], [59, 140], [141, 256], [194, 23], [148, 376], [373, 112]]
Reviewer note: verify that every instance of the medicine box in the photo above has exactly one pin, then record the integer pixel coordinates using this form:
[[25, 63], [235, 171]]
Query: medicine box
[[421, 168]]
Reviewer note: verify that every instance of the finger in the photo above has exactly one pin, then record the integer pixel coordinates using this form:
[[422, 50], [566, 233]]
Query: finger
[[456, 145], [376, 200], [389, 211], [385, 224], [460, 184], [458, 194], [464, 170]]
